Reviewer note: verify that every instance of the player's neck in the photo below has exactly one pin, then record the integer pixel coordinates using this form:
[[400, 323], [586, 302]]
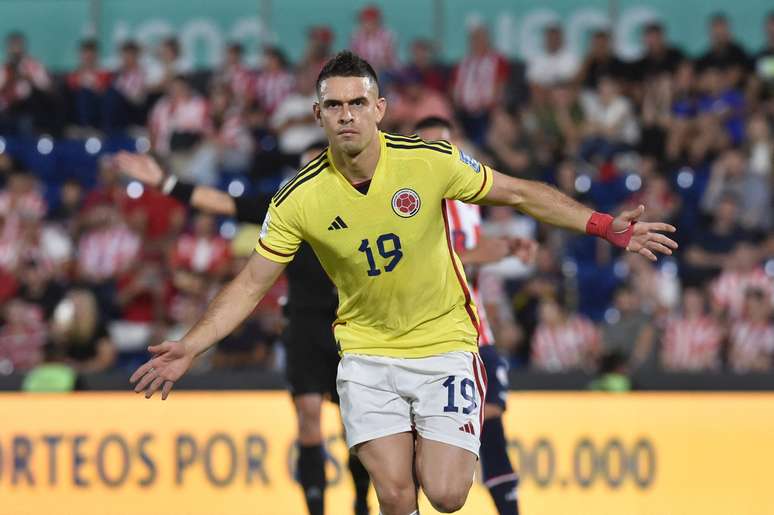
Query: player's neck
[[360, 167]]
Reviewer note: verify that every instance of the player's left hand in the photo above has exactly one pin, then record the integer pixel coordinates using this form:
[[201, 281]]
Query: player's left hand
[[170, 361], [646, 238], [524, 248]]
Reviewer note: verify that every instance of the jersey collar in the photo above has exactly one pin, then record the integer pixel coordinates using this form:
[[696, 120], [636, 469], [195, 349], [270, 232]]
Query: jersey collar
[[375, 180]]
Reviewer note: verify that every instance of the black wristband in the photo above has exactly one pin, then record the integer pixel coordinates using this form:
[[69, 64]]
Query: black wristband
[[182, 191]]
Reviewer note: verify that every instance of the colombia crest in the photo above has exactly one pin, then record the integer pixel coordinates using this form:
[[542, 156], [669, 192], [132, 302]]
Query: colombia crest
[[406, 203]]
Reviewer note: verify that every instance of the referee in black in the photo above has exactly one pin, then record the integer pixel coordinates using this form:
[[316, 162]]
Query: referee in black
[[312, 356]]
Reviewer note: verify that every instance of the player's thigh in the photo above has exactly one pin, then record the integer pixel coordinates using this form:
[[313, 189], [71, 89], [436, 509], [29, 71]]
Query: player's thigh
[[445, 473], [370, 406], [389, 461], [449, 391]]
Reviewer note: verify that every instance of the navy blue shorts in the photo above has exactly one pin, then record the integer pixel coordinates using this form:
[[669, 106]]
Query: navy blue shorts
[[497, 375]]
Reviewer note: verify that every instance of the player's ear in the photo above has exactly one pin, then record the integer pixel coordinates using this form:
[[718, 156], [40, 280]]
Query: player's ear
[[316, 113], [381, 108]]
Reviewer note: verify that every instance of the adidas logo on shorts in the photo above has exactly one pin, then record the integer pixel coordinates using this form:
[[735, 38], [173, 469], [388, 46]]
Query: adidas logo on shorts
[[468, 428]]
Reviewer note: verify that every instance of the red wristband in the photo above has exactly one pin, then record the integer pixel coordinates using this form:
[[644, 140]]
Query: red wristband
[[601, 225]]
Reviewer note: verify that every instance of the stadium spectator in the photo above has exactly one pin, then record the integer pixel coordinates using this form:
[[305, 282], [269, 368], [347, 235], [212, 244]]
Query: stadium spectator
[[731, 176], [236, 75], [721, 109], [23, 335], [693, 339], [760, 146], [600, 62], [316, 54], [724, 53], [163, 67], [274, 82], [202, 251], [413, 101], [79, 327], [742, 272], [556, 64], [713, 242], [86, 87], [508, 147], [293, 121], [563, 342], [478, 84], [424, 62], [629, 331], [374, 42], [751, 346], [762, 83], [179, 123], [610, 123], [554, 122], [25, 87], [659, 57], [125, 99], [106, 249]]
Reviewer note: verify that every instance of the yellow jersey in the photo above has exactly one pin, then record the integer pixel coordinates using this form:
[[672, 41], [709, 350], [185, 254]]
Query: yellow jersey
[[402, 290]]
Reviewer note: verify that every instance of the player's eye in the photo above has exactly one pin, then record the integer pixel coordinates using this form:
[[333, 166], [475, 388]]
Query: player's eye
[[358, 103]]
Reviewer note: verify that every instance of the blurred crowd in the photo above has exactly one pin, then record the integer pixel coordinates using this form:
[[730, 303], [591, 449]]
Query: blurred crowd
[[93, 269]]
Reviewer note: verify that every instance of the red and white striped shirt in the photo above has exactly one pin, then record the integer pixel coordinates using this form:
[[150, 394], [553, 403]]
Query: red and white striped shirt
[[465, 233], [105, 253], [478, 81], [728, 290], [752, 346], [377, 47], [271, 88], [201, 254], [169, 116], [240, 80], [131, 83], [564, 347], [692, 344], [30, 203]]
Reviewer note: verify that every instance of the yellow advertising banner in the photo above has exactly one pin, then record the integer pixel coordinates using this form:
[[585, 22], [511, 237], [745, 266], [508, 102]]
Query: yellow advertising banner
[[233, 453]]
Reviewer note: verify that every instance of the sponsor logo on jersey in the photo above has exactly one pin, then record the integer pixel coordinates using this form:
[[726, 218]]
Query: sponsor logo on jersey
[[468, 160], [406, 203]]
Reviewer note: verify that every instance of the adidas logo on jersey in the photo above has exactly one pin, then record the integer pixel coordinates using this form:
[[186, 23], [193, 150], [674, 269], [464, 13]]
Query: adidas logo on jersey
[[337, 223], [468, 428]]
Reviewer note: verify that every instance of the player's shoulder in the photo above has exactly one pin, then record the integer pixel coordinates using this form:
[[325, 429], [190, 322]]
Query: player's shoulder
[[304, 181], [414, 145]]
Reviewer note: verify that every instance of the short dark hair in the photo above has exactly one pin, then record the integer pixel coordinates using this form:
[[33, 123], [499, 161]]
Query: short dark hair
[[346, 64], [654, 26], [90, 45], [432, 122], [130, 46], [718, 17]]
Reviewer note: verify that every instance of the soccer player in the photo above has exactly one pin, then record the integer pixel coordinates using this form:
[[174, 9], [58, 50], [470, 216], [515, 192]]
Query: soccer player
[[465, 229], [312, 357], [372, 209]]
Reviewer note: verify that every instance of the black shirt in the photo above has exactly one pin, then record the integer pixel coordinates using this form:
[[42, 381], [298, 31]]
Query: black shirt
[[650, 65], [725, 57], [309, 287]]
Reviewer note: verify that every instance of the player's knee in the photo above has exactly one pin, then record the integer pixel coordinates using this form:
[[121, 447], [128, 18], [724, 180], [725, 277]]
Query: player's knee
[[308, 412], [395, 497], [492, 411], [447, 498]]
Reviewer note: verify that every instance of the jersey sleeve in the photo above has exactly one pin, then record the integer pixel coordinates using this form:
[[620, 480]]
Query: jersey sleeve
[[468, 180], [280, 234]]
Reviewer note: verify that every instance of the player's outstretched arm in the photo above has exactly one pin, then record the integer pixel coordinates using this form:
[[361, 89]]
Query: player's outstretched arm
[[147, 170], [226, 311], [551, 206]]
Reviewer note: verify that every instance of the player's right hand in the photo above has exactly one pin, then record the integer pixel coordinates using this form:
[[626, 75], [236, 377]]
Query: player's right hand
[[493, 249], [168, 364], [140, 167]]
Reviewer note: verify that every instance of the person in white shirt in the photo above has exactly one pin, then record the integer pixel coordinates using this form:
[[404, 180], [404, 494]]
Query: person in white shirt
[[557, 64]]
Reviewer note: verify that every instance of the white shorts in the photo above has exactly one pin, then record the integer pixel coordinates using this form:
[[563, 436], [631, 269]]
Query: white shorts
[[441, 397]]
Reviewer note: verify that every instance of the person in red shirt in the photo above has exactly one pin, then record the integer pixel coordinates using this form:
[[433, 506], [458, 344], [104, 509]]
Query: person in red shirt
[[478, 84], [86, 86]]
